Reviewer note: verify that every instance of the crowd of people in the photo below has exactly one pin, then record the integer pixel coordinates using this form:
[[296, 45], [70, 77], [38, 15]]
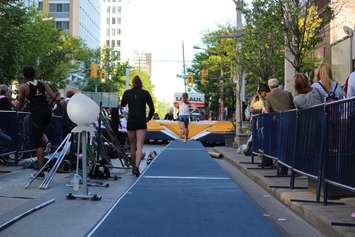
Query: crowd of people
[[324, 89], [48, 112]]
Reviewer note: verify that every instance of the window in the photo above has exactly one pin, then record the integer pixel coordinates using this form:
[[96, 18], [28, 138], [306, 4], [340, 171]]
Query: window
[[66, 7], [59, 7], [118, 43], [108, 20], [108, 10], [107, 43], [52, 7], [113, 32], [119, 9], [113, 9], [118, 31], [119, 20], [62, 25], [108, 32], [113, 21], [112, 43]]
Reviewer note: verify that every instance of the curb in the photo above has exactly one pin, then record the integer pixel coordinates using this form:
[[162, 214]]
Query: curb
[[321, 224]]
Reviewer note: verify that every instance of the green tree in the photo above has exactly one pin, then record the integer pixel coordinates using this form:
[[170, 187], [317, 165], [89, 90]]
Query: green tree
[[218, 57], [262, 43], [302, 24], [30, 38], [12, 20]]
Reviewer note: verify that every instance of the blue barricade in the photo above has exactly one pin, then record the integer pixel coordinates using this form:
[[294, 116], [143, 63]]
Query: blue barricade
[[16, 132], [24, 136], [287, 129], [270, 134], [340, 148], [310, 136], [318, 142], [257, 128], [8, 132]]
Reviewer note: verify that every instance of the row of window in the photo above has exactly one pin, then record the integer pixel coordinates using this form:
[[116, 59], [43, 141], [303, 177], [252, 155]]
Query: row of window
[[112, 0], [114, 43], [113, 9], [114, 32], [62, 25], [59, 7], [113, 21]]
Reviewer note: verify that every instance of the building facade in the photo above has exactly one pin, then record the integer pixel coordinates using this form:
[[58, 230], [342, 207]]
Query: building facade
[[337, 47], [111, 25], [80, 18], [143, 62]]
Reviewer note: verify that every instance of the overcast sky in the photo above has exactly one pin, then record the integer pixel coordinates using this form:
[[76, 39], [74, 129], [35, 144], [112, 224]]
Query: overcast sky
[[160, 26]]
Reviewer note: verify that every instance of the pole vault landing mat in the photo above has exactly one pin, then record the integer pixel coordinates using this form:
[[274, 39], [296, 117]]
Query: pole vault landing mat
[[184, 193]]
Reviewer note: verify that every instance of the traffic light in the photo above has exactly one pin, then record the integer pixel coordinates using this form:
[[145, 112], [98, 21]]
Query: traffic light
[[203, 76], [190, 80], [93, 70], [103, 75]]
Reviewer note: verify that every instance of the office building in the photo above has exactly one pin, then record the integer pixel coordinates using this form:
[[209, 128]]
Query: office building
[[143, 62], [111, 24], [80, 18]]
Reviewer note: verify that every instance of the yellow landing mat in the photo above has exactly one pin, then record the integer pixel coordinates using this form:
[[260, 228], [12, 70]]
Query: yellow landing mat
[[195, 128]]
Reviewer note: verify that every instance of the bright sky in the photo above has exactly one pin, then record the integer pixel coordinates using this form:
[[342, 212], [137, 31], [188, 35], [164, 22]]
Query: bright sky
[[160, 26]]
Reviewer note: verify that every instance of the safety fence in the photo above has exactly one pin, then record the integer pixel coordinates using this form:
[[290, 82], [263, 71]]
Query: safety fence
[[318, 142], [16, 132]]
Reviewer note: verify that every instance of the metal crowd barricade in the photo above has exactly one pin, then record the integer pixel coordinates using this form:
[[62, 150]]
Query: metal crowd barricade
[[318, 142], [270, 133], [339, 167], [257, 136], [8, 132], [24, 136], [16, 134]]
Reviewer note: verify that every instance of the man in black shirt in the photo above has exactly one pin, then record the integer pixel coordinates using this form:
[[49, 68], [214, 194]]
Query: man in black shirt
[[35, 91]]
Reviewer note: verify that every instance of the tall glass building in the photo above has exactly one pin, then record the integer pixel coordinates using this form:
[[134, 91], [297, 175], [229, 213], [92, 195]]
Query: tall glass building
[[79, 18]]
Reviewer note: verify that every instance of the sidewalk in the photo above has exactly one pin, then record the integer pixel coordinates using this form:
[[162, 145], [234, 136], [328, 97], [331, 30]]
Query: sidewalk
[[316, 214]]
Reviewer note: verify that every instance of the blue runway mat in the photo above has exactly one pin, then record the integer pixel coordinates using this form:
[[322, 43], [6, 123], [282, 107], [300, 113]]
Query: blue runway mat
[[184, 193]]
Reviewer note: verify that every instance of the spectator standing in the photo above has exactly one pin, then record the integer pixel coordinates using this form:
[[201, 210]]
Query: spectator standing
[[68, 125], [5, 103], [329, 89], [351, 86], [278, 100], [169, 115], [257, 104], [306, 95]]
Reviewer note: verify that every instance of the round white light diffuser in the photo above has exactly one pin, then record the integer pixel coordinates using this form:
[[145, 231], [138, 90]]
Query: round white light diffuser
[[82, 110]]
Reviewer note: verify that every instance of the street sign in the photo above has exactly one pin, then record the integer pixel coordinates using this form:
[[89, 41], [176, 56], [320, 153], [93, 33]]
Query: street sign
[[196, 99]]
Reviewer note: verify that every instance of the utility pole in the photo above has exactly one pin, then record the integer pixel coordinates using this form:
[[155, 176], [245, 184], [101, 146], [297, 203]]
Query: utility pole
[[239, 76], [184, 65]]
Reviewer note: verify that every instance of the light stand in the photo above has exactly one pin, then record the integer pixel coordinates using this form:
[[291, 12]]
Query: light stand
[[83, 132]]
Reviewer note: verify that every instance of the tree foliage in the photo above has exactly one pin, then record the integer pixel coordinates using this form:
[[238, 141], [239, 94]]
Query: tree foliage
[[218, 56], [30, 38], [262, 43], [302, 23]]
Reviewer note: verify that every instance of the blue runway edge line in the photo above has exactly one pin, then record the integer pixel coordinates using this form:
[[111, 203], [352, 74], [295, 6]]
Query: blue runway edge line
[[184, 193]]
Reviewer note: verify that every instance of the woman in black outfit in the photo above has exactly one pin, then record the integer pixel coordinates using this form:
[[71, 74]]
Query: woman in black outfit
[[35, 91], [137, 99]]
